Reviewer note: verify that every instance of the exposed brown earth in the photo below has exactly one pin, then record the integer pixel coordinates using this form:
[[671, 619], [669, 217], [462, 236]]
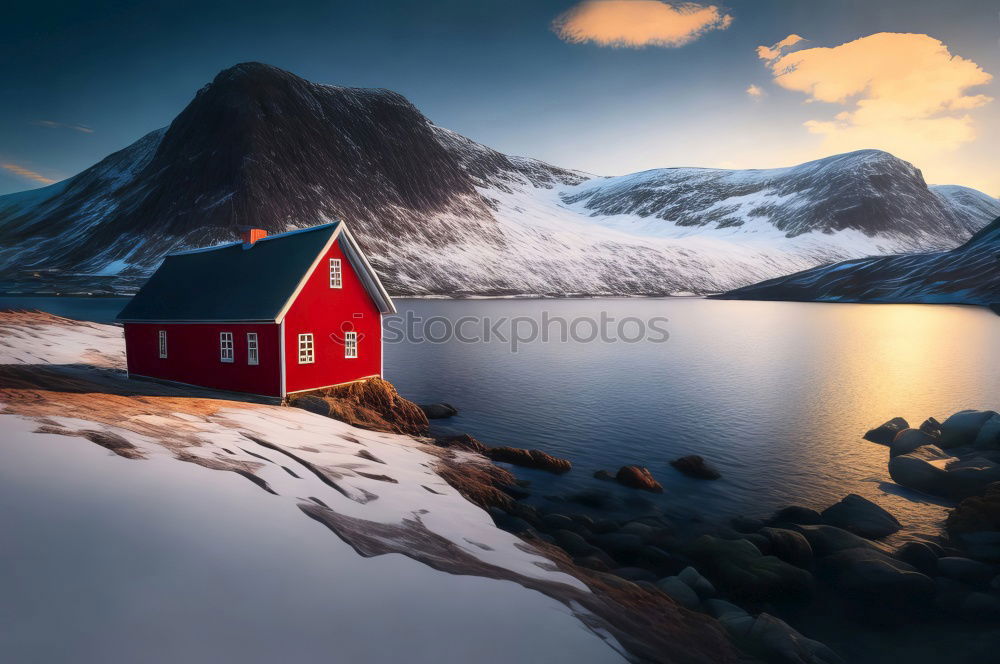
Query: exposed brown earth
[[369, 404]]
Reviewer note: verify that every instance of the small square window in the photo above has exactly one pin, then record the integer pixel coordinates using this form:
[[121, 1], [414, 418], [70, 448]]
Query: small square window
[[226, 346], [336, 278], [163, 343], [350, 345], [253, 356], [306, 351]]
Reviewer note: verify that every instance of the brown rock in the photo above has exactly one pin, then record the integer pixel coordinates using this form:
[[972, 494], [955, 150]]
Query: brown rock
[[529, 459], [638, 477], [463, 442], [369, 404], [696, 466]]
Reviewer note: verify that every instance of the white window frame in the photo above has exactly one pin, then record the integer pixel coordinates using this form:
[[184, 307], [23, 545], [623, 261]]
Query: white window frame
[[336, 274], [351, 345], [163, 344], [226, 353], [307, 349], [253, 349]]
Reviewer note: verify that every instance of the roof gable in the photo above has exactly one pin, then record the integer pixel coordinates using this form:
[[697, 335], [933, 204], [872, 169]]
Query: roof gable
[[233, 283]]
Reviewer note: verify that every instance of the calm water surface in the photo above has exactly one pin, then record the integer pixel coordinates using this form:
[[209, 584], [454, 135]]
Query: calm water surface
[[774, 394]]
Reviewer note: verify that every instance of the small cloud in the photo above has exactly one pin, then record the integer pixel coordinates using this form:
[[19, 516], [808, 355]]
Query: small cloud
[[776, 50], [900, 92], [28, 174], [62, 125], [755, 91], [638, 23]]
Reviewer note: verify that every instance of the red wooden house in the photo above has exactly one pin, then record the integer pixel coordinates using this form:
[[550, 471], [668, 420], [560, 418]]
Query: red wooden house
[[270, 315]]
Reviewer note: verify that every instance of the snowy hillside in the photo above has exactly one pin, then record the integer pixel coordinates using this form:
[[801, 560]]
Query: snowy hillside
[[969, 274], [440, 214]]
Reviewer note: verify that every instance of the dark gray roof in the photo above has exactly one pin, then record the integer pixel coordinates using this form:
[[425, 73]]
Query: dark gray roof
[[228, 282]]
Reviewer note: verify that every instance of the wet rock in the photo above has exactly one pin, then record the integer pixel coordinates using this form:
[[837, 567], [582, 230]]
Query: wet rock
[[760, 541], [773, 640], [963, 427], [738, 568], [908, 440], [826, 539], [604, 475], [573, 543], [644, 531], [511, 524], [861, 517], [529, 459], [618, 544], [696, 466], [635, 574], [745, 524], [656, 559], [923, 469], [873, 577], [919, 554], [638, 477], [438, 411], [735, 620], [558, 522], [884, 434], [702, 586], [966, 570], [462, 441], [931, 427], [789, 545], [603, 526], [679, 591], [796, 514], [988, 437]]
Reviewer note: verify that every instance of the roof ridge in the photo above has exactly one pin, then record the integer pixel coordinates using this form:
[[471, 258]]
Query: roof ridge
[[295, 231]]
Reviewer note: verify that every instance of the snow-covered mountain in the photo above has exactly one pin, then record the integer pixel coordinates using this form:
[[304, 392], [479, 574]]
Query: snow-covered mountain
[[969, 274], [439, 213]]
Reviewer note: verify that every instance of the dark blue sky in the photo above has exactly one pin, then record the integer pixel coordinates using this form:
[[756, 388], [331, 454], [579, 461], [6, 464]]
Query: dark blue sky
[[492, 70]]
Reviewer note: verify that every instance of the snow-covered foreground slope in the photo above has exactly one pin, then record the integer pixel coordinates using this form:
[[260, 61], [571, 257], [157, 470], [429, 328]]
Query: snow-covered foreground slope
[[969, 274], [438, 213], [164, 551]]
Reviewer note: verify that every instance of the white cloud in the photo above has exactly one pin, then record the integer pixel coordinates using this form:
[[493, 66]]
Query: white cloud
[[755, 91]]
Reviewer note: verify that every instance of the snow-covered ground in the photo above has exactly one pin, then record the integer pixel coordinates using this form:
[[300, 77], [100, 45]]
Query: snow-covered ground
[[196, 545]]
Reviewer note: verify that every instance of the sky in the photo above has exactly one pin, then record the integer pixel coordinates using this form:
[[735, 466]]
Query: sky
[[604, 86]]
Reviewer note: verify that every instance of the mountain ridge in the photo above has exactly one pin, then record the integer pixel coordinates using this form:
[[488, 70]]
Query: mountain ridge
[[439, 213]]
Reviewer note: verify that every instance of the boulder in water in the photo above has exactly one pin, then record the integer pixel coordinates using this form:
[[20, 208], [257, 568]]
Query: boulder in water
[[739, 568], [825, 539], [529, 459], [693, 465], [963, 427], [438, 411], [789, 545], [638, 477], [884, 434], [908, 440], [861, 517], [796, 514], [679, 591], [965, 570], [873, 577]]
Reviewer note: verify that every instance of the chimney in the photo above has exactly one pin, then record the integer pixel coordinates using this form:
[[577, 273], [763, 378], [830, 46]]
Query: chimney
[[250, 235]]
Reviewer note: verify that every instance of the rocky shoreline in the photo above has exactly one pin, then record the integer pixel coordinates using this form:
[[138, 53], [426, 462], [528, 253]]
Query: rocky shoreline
[[759, 578]]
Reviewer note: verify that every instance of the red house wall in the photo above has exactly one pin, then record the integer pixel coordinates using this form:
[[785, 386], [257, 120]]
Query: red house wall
[[193, 355], [326, 313]]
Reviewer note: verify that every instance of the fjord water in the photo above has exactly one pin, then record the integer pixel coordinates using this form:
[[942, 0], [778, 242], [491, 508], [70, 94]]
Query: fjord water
[[775, 394]]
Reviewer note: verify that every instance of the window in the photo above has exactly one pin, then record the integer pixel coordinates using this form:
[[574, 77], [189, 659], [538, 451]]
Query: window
[[226, 346], [253, 356], [163, 343], [350, 345], [336, 280], [306, 355]]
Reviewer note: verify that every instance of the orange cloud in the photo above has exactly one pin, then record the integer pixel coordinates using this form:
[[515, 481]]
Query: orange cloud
[[905, 93], [638, 23], [25, 173], [755, 91]]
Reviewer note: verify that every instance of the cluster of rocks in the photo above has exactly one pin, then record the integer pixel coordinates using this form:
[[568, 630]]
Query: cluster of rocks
[[640, 477], [954, 459]]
